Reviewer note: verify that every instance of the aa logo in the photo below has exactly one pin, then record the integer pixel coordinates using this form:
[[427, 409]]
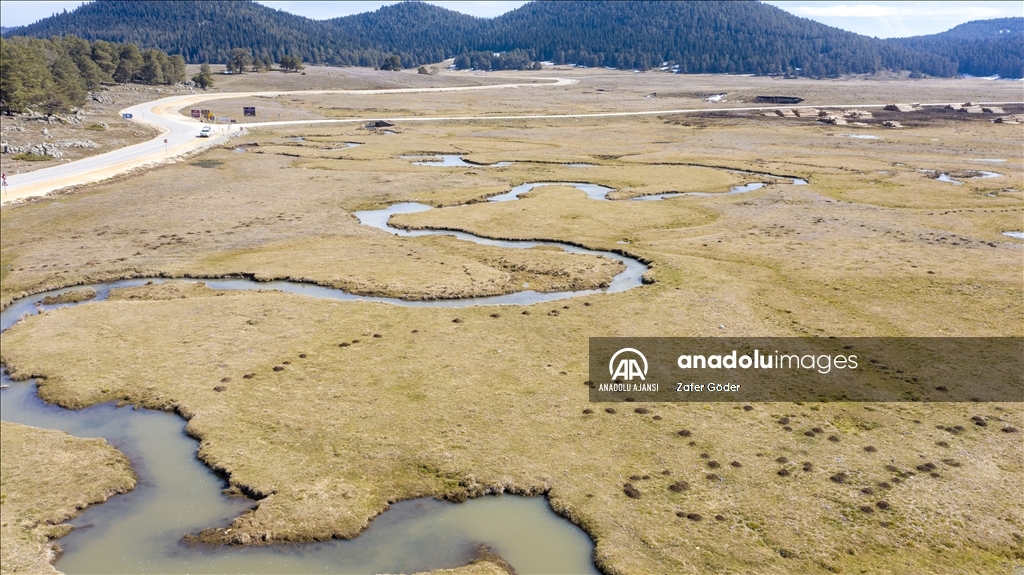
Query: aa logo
[[627, 368]]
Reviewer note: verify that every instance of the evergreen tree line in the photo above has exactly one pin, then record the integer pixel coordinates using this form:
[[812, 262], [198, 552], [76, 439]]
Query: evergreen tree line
[[981, 48], [699, 37], [514, 60], [56, 74]]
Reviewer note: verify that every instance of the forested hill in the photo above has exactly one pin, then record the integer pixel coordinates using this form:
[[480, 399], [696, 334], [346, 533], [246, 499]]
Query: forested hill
[[201, 31], [738, 37], [980, 48]]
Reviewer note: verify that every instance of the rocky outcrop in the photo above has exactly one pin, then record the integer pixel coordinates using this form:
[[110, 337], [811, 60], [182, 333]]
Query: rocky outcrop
[[100, 97], [78, 144]]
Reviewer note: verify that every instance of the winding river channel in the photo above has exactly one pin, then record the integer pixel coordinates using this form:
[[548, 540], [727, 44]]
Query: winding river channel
[[141, 531]]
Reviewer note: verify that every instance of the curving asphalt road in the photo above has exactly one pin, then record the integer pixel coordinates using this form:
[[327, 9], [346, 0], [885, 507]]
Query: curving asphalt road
[[179, 134]]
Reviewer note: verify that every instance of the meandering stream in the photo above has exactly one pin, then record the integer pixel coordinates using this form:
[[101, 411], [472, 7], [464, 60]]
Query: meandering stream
[[142, 531]]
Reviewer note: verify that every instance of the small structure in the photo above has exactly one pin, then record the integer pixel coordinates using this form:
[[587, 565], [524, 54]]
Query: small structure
[[778, 99], [900, 107], [805, 112], [785, 113], [971, 109], [892, 124], [954, 107], [833, 120], [379, 124], [858, 114], [993, 110]]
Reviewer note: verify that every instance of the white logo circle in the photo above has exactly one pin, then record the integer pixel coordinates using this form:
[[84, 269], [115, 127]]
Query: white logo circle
[[612, 370]]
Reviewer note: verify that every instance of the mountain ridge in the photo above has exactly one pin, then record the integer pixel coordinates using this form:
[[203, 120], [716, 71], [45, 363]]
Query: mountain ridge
[[706, 36]]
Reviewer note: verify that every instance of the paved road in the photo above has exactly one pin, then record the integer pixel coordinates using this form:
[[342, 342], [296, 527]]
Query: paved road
[[179, 134]]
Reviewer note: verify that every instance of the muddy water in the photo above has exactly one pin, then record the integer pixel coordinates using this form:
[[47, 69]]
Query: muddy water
[[140, 532], [593, 191]]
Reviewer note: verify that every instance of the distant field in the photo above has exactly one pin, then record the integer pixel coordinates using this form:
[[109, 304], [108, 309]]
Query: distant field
[[873, 245]]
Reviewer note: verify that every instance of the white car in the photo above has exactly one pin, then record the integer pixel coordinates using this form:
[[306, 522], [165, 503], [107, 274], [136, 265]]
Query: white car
[[206, 132]]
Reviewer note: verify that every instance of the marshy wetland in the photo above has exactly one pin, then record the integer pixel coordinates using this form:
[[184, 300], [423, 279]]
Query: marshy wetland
[[322, 413]]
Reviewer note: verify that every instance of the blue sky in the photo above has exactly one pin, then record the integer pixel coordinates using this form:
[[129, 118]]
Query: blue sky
[[873, 18]]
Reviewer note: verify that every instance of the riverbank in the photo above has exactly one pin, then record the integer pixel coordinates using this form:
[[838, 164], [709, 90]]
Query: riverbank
[[49, 477], [461, 402]]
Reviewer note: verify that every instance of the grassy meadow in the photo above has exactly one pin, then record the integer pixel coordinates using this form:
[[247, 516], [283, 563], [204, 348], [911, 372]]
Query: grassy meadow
[[328, 411]]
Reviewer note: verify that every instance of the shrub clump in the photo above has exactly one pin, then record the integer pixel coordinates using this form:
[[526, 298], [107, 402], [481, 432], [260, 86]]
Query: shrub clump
[[840, 477], [685, 432], [630, 491]]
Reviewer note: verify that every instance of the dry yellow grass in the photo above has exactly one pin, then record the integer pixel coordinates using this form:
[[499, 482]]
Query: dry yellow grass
[[435, 407], [335, 435], [47, 478]]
